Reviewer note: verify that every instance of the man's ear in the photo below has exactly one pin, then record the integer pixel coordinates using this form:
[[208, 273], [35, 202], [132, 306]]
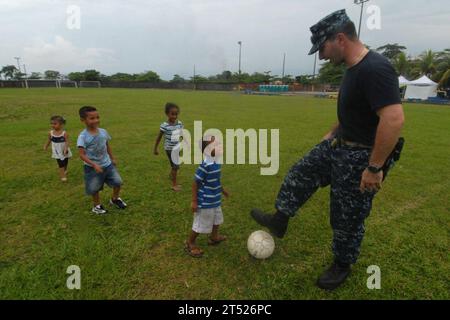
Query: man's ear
[[341, 37]]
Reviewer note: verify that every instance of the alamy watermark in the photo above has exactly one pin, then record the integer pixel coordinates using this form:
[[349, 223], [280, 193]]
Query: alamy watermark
[[240, 147], [374, 280], [73, 21], [374, 20], [74, 280]]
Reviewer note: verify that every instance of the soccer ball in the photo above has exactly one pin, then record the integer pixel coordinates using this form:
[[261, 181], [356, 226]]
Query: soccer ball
[[260, 244]]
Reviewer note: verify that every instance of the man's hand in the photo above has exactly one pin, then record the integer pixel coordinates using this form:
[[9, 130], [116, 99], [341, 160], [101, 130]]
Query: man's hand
[[114, 161], [97, 168], [155, 152], [194, 206], [332, 133], [225, 193], [371, 182], [329, 135]]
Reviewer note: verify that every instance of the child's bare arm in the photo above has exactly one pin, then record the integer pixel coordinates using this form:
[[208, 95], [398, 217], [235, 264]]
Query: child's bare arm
[[48, 142], [109, 150], [84, 157], [158, 140], [194, 204], [66, 143]]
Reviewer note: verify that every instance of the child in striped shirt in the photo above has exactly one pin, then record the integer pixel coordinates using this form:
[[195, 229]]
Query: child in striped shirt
[[172, 130], [206, 198]]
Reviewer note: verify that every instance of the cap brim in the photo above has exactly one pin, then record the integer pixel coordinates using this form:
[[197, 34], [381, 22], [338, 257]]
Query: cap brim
[[314, 49]]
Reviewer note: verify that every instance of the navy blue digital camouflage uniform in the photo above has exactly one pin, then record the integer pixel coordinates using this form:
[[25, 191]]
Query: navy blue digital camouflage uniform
[[367, 87], [340, 167]]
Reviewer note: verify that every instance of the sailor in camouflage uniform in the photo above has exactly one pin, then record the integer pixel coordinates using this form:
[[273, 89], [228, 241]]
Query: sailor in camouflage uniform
[[353, 155]]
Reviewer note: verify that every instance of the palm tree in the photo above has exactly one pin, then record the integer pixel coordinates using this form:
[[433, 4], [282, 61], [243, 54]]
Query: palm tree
[[427, 63], [445, 79], [443, 67], [401, 64]]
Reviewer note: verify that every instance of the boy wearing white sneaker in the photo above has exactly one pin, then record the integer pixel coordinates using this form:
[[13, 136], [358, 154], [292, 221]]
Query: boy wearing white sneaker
[[99, 163]]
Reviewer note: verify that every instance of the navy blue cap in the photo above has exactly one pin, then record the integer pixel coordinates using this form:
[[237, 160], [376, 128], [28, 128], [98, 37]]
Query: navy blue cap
[[327, 27]]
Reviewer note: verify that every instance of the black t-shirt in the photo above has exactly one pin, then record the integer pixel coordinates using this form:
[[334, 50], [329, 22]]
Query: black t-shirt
[[367, 87]]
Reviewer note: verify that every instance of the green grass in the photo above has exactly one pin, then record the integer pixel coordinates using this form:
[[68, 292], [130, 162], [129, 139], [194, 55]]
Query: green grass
[[46, 226]]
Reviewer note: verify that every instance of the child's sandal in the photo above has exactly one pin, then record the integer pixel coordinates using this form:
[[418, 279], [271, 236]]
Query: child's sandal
[[215, 242], [195, 252]]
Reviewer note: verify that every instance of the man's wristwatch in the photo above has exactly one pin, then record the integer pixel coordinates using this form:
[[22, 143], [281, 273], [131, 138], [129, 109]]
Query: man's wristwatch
[[374, 169]]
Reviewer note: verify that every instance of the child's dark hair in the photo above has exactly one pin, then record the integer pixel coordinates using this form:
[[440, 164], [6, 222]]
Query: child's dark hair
[[59, 119], [85, 110], [169, 106]]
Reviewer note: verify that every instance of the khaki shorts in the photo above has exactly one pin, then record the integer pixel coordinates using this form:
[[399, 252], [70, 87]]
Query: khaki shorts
[[205, 219]]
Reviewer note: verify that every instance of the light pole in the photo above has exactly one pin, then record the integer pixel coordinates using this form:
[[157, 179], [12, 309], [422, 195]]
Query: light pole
[[26, 77], [360, 2], [18, 63], [240, 48], [284, 64], [193, 79]]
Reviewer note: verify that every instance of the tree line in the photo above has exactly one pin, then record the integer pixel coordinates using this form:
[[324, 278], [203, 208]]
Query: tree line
[[435, 65]]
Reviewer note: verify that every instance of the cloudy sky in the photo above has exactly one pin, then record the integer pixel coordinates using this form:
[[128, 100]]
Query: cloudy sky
[[170, 36]]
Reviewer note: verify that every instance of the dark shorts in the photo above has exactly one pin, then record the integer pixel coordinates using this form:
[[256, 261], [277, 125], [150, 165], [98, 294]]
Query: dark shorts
[[62, 163], [172, 163], [94, 181]]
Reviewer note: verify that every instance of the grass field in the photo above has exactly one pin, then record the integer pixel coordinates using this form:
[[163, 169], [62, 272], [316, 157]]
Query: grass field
[[45, 226]]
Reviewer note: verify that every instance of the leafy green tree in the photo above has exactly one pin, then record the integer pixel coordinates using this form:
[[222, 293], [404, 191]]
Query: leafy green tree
[[401, 64], [91, 75], [199, 79], [288, 79], [391, 51], [9, 71], [331, 74], [76, 76], [125, 77], [304, 79], [444, 82], [428, 63], [178, 79], [149, 76], [443, 68], [51, 74], [35, 76]]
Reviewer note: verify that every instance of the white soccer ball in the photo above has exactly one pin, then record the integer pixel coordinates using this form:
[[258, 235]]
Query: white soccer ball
[[260, 244]]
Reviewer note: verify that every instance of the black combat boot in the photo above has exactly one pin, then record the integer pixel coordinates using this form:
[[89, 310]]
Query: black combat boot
[[334, 276], [276, 223]]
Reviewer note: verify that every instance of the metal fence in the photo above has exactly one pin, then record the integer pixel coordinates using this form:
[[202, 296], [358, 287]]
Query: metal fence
[[171, 85]]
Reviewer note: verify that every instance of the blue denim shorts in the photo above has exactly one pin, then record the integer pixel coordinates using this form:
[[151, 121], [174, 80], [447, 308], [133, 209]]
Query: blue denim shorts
[[94, 181]]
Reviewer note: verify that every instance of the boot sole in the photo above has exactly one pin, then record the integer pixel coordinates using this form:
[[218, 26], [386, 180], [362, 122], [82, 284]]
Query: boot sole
[[331, 287]]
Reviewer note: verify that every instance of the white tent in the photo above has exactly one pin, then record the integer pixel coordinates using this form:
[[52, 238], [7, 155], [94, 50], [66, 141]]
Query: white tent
[[403, 81], [422, 88]]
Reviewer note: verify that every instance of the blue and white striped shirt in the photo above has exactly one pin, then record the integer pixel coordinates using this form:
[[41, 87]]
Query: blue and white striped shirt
[[172, 134], [209, 193]]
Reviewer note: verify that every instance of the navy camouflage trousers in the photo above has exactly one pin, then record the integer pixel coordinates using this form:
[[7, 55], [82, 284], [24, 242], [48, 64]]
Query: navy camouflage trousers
[[341, 167]]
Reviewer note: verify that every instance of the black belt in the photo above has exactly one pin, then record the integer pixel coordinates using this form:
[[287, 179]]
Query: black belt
[[341, 142]]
